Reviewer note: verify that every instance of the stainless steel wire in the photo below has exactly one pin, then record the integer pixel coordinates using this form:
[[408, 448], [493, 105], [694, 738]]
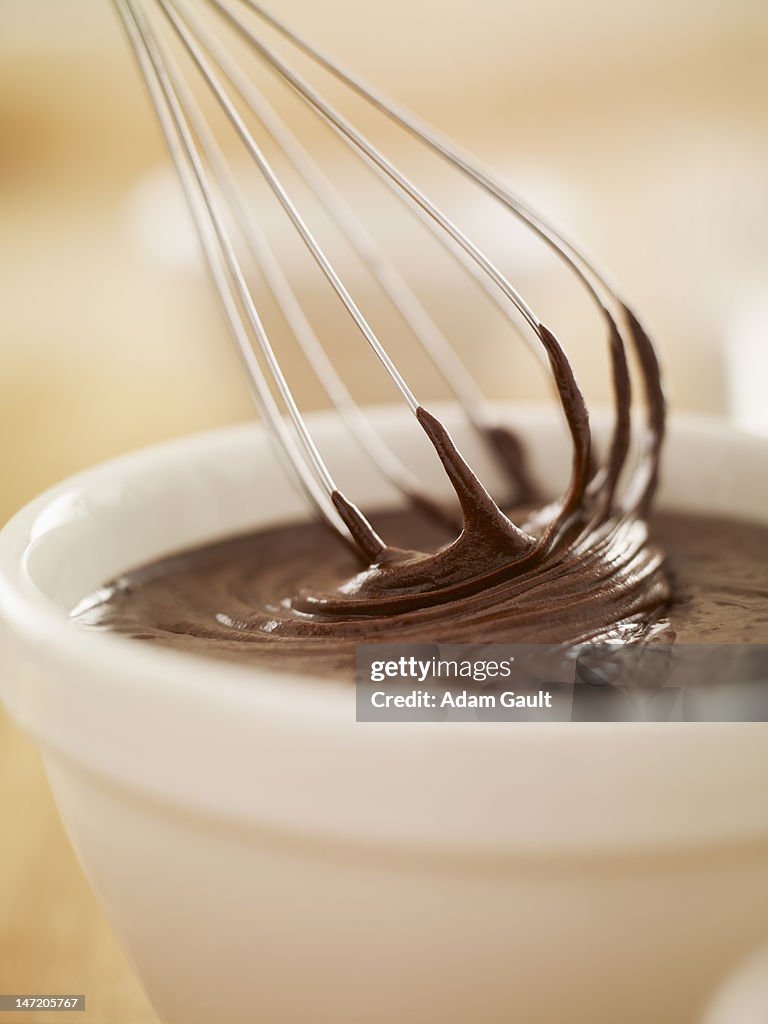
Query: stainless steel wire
[[157, 29]]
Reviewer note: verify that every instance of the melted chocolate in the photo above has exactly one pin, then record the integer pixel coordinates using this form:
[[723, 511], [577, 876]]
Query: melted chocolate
[[581, 567], [576, 568], [236, 599]]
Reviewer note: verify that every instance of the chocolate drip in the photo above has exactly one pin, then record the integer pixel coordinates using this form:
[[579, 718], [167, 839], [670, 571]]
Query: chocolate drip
[[363, 535], [656, 417], [580, 567], [578, 544], [510, 454]]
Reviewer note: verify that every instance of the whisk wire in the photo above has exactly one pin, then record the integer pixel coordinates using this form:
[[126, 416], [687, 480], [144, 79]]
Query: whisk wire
[[403, 297], [313, 477], [595, 279], [585, 265], [218, 206], [566, 388], [286, 298], [343, 126], [171, 11]]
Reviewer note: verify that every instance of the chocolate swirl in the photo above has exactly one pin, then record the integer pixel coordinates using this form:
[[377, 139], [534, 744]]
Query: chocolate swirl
[[587, 553], [575, 569]]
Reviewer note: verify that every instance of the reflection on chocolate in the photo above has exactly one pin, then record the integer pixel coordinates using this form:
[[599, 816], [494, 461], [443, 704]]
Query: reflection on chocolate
[[580, 568], [237, 598]]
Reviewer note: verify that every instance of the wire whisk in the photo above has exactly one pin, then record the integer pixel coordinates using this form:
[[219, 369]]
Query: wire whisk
[[232, 238]]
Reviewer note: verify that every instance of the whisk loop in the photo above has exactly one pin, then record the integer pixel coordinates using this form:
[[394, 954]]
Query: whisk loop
[[157, 30]]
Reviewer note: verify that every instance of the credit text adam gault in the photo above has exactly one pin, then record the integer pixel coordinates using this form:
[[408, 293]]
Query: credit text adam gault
[[461, 699]]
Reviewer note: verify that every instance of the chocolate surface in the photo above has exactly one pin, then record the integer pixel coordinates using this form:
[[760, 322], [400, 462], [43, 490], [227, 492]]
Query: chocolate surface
[[581, 567], [236, 599]]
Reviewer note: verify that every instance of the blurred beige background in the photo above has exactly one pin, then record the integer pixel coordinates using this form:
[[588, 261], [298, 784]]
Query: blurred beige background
[[640, 127]]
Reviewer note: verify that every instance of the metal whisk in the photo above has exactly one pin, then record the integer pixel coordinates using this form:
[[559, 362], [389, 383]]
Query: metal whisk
[[158, 30]]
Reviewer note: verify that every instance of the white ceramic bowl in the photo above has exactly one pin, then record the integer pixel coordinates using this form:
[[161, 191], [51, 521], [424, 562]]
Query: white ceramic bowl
[[264, 857]]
